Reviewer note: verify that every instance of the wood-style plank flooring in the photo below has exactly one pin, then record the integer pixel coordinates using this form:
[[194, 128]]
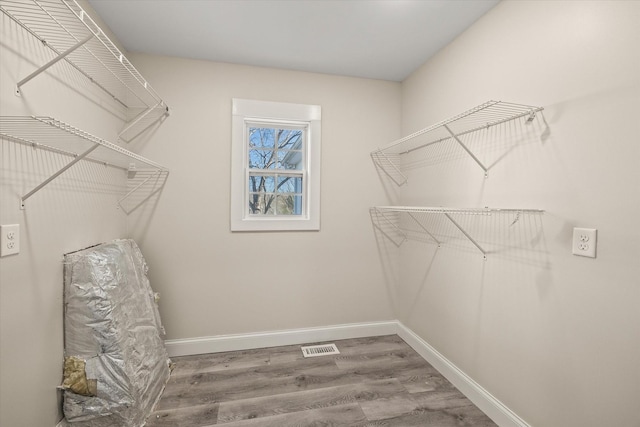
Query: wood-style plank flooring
[[378, 381]]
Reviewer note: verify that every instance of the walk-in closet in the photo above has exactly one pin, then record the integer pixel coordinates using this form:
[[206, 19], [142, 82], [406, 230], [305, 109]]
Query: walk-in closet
[[268, 213]]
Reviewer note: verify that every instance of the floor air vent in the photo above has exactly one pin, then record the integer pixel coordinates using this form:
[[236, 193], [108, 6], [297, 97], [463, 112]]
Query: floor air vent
[[319, 350]]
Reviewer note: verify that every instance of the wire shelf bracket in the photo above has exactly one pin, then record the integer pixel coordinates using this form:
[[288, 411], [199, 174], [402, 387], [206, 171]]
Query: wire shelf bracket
[[379, 213], [483, 116], [70, 33], [376, 216], [137, 187], [390, 166], [143, 121], [59, 137]]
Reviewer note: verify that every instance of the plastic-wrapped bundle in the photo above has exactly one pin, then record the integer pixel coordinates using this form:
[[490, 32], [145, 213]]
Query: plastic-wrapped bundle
[[112, 324]]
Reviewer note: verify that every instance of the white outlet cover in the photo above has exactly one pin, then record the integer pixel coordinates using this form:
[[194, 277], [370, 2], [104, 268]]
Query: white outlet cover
[[585, 242], [9, 239]]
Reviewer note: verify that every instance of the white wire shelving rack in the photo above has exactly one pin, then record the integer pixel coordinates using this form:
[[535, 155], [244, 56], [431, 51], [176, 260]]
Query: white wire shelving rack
[[491, 113], [399, 223], [53, 135], [70, 33]]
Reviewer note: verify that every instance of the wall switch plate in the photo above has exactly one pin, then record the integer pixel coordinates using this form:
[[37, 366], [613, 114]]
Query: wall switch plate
[[585, 242], [9, 239]]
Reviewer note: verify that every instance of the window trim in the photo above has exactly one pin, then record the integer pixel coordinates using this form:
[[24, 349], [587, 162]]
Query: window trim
[[245, 112]]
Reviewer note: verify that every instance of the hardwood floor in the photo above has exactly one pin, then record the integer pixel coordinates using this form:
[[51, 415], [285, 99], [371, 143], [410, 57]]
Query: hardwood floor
[[378, 381]]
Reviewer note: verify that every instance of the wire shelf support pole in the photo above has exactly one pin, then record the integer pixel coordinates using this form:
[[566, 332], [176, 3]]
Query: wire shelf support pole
[[473, 156], [60, 56], [57, 174], [425, 229], [471, 239]]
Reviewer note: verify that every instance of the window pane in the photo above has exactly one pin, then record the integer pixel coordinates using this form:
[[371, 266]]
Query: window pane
[[261, 137], [262, 183], [290, 159], [262, 159], [273, 148], [289, 139], [262, 204], [289, 205], [287, 199], [289, 184]]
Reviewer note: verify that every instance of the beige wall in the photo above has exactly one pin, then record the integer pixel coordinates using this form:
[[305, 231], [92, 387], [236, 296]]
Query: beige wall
[[554, 336], [74, 211], [216, 282]]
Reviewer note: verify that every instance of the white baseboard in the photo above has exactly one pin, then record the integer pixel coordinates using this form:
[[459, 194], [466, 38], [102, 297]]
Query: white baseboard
[[494, 408], [189, 346], [484, 400]]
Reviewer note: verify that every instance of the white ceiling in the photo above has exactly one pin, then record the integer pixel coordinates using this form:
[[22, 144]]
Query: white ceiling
[[381, 39]]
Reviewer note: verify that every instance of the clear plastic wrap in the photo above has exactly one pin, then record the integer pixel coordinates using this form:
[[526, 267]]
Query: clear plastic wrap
[[112, 323]]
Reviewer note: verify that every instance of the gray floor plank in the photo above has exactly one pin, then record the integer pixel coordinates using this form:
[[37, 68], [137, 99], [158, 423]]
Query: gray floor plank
[[200, 364], [194, 416], [262, 371], [430, 381], [462, 416], [310, 399], [337, 416], [388, 360], [410, 403]]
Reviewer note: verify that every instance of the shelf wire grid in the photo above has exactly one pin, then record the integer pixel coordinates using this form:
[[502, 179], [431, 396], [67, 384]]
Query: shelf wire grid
[[57, 136], [389, 159], [62, 24], [445, 226]]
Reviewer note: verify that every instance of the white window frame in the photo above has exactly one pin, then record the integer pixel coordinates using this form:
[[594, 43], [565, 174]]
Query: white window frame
[[249, 112]]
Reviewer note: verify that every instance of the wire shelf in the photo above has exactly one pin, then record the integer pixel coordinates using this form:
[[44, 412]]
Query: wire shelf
[[67, 30], [491, 113], [466, 211], [402, 223], [59, 137]]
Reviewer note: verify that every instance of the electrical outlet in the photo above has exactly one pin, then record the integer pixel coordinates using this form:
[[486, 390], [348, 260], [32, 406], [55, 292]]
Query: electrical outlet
[[585, 242], [9, 239]]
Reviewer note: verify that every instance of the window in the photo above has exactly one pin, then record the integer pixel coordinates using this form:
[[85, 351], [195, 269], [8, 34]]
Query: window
[[275, 182], [276, 169]]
